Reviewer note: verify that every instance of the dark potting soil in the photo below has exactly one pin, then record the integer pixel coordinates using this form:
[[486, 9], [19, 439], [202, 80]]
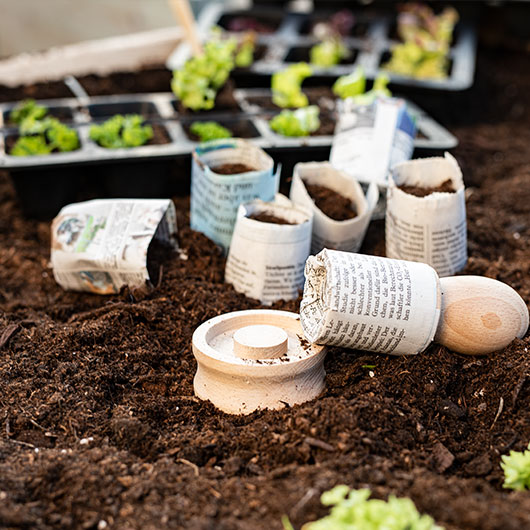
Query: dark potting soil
[[266, 217], [333, 204], [99, 424], [232, 169], [446, 186]]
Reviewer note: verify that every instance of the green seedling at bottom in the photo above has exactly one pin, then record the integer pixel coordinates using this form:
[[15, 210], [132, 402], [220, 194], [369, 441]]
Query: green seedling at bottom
[[121, 131], [516, 467], [42, 137], [300, 122], [209, 130], [353, 510]]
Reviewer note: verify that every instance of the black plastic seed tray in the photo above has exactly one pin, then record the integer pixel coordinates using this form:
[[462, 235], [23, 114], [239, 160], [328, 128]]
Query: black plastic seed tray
[[285, 38], [159, 169]]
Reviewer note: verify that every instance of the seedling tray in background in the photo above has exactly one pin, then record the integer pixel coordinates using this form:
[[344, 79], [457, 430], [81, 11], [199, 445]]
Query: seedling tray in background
[[46, 183], [370, 43]]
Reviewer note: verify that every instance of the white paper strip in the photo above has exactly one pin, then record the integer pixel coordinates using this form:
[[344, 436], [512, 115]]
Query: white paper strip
[[429, 229], [370, 303]]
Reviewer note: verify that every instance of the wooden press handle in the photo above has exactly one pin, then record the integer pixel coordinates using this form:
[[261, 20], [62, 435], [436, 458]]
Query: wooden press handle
[[184, 15], [479, 315]]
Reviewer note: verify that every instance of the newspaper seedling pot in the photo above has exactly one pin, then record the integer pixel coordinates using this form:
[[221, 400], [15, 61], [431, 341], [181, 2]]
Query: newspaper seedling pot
[[256, 359], [399, 307], [430, 229]]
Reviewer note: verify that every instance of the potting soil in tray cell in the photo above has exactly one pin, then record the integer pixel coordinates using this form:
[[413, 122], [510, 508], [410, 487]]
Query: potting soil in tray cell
[[147, 109], [240, 21], [299, 54]]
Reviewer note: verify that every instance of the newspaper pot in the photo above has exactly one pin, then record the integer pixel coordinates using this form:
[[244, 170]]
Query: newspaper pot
[[399, 307], [430, 229], [266, 260], [101, 245], [256, 359], [215, 198], [148, 179], [344, 235], [370, 303], [43, 192]]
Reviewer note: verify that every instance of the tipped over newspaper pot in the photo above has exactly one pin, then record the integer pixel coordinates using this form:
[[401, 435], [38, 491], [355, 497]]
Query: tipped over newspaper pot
[[256, 359], [215, 197], [399, 307], [344, 235], [430, 229], [266, 260]]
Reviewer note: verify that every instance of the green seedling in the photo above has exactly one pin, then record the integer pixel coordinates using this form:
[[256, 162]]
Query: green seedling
[[26, 109], [42, 137], [286, 86], [353, 510], [209, 130], [300, 122], [121, 131], [516, 467], [328, 53], [354, 85]]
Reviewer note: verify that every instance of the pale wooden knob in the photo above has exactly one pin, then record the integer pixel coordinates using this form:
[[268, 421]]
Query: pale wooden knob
[[260, 342], [479, 315]]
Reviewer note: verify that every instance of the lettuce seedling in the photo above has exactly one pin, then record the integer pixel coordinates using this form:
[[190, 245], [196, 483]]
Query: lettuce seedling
[[42, 137], [121, 131], [300, 122], [354, 85], [286, 86], [27, 109], [197, 82], [516, 467], [426, 41], [245, 50], [351, 509], [209, 130], [328, 53]]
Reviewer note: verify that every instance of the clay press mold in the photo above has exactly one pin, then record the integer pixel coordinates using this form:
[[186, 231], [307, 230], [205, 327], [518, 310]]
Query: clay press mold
[[256, 359]]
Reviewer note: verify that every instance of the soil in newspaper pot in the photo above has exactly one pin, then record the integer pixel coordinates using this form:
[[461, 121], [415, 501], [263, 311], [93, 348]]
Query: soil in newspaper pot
[[225, 174], [269, 248], [398, 307], [426, 214], [341, 212], [256, 359], [101, 245]]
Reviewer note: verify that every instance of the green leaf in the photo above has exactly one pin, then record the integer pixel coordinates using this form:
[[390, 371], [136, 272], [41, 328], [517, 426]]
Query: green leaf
[[121, 132], [286, 86], [26, 109], [300, 122], [30, 146], [328, 53], [209, 130], [350, 85], [354, 510], [516, 467]]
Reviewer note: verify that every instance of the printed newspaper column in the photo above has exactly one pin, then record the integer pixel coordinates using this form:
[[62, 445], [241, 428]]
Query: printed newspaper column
[[344, 235], [99, 246], [370, 303], [430, 229], [266, 260], [215, 197]]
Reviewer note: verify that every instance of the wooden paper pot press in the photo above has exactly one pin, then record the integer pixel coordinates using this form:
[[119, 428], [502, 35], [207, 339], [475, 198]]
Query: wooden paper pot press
[[256, 359]]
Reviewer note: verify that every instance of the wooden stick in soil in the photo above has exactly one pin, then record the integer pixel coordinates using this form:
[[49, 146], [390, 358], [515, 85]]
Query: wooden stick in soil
[[184, 15]]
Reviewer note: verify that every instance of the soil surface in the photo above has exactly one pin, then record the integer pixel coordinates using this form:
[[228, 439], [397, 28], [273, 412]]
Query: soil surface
[[232, 169], [265, 217], [445, 187], [333, 204], [100, 427]]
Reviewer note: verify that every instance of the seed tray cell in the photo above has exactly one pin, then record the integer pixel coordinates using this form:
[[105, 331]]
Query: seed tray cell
[[372, 37]]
